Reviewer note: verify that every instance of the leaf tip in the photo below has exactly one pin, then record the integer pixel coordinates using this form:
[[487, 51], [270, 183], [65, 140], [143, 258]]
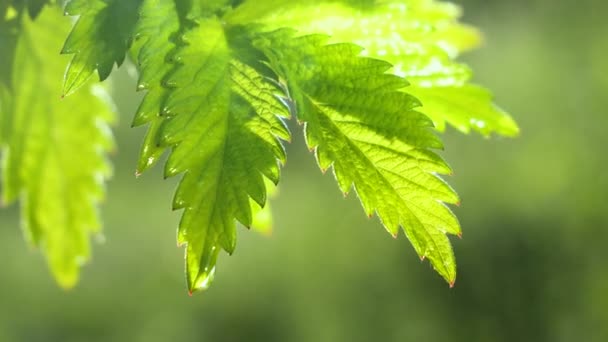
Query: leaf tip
[[67, 89], [452, 284], [67, 280]]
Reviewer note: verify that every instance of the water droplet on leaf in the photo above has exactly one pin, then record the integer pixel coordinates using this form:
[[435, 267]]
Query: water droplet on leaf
[[204, 280]]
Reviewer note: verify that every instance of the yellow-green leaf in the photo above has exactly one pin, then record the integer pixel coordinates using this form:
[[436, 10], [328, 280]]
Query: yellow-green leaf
[[362, 126], [221, 119], [54, 157]]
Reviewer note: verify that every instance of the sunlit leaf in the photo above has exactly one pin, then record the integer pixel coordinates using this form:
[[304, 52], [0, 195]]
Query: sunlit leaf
[[99, 40], [221, 119], [54, 155], [370, 80], [421, 38], [156, 39], [366, 130]]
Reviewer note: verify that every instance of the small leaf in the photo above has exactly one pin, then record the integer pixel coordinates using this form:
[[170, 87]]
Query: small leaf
[[99, 39]]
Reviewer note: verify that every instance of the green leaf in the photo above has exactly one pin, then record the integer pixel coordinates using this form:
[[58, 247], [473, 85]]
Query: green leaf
[[220, 76], [465, 107], [100, 38], [156, 33], [54, 155], [359, 123], [221, 119], [421, 38]]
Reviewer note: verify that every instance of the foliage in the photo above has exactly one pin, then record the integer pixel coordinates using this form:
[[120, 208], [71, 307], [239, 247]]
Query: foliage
[[55, 150], [368, 79]]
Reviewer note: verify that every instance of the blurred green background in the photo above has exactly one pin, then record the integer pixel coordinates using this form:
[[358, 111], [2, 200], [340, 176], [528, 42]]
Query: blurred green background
[[532, 263]]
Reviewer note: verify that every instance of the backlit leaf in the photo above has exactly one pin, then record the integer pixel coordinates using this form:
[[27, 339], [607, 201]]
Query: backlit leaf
[[221, 119], [362, 126], [54, 157], [99, 40], [421, 38]]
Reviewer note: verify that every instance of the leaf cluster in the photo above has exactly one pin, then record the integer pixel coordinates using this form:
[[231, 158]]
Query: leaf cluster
[[371, 81]]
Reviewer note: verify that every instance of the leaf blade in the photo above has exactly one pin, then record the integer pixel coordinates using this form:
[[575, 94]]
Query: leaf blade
[[361, 125], [99, 39], [221, 122], [59, 193]]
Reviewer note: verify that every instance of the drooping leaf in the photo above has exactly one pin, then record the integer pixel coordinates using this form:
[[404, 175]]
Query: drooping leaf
[[221, 119], [360, 124], [55, 150], [100, 38], [421, 38]]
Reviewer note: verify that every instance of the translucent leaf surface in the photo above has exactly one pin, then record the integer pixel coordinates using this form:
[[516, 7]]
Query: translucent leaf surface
[[421, 38], [100, 38], [54, 153], [221, 118], [359, 123], [466, 107], [156, 39]]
